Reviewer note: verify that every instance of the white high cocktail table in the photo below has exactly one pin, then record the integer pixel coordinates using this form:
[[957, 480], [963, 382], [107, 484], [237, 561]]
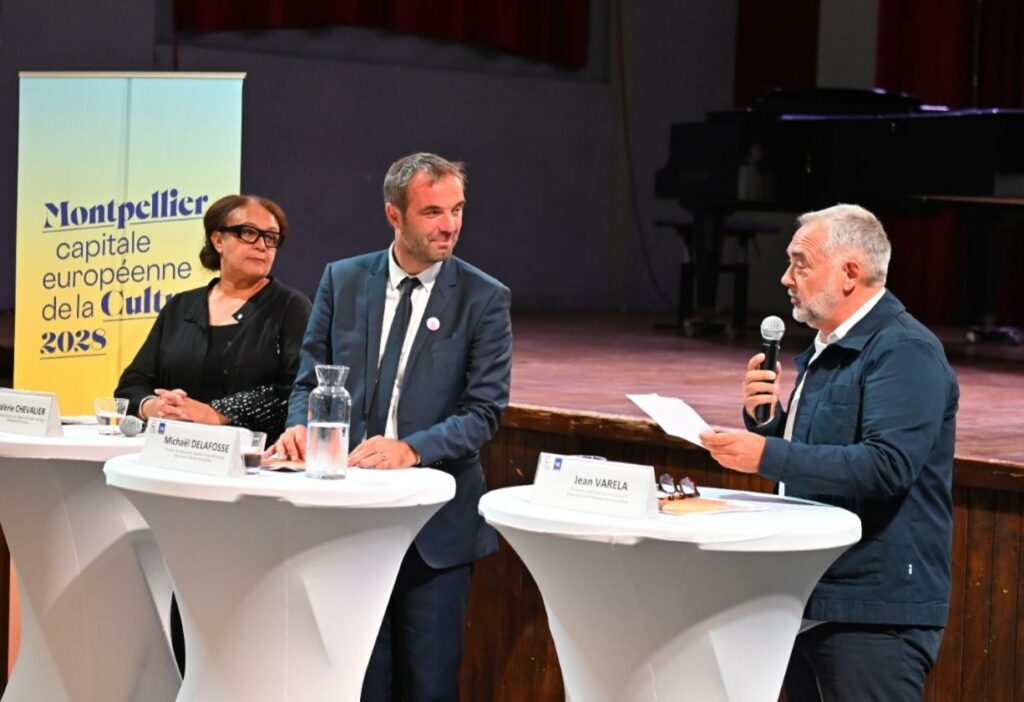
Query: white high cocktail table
[[94, 589], [282, 581], [701, 607]]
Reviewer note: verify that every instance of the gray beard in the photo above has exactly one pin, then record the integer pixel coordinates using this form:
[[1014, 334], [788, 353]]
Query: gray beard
[[820, 307]]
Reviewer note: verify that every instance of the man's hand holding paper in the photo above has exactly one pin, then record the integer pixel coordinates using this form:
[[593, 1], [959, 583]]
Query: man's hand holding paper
[[738, 450]]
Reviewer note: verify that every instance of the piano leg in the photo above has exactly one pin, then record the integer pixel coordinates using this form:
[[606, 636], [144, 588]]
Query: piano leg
[[707, 256], [702, 268], [685, 311], [987, 232], [739, 284]]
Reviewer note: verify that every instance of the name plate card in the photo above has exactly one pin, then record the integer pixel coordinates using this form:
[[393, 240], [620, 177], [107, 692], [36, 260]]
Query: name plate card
[[195, 448], [29, 413], [593, 485]]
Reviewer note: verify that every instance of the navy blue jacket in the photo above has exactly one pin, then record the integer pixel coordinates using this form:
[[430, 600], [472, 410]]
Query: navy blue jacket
[[454, 389], [874, 434]]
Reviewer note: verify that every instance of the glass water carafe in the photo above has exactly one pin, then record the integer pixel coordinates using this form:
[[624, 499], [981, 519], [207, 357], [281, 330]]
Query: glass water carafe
[[330, 409]]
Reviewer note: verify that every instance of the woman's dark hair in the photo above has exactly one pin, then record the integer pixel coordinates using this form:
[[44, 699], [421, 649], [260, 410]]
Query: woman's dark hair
[[217, 217]]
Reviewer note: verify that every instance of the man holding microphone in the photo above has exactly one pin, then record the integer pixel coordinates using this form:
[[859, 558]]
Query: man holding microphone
[[870, 428]]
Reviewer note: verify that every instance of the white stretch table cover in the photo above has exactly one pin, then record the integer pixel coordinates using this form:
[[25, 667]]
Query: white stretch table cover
[[282, 581], [700, 607], [92, 580]]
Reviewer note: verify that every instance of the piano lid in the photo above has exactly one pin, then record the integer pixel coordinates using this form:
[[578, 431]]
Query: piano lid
[[838, 101], [798, 149]]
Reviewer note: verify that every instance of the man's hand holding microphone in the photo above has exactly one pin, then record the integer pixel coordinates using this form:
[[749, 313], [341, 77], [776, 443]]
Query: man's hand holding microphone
[[742, 450]]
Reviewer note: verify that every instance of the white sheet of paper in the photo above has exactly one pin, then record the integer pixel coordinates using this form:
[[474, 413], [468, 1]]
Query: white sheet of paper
[[673, 415]]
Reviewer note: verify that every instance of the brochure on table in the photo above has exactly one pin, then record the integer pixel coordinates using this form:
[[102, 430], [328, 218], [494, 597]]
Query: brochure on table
[[594, 485], [29, 413], [196, 448]]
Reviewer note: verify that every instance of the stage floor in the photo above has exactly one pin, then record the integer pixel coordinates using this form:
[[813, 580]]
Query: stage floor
[[588, 363]]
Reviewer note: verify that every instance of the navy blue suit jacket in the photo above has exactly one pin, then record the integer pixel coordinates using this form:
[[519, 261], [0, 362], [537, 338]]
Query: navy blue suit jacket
[[454, 390], [874, 434]]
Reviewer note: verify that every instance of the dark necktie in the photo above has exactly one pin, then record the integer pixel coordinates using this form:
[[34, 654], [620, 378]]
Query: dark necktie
[[388, 372]]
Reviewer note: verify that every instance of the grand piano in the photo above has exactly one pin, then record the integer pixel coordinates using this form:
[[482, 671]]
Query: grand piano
[[803, 149]]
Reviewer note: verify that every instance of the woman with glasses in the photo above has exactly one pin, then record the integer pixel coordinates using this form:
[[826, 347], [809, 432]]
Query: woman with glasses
[[226, 353]]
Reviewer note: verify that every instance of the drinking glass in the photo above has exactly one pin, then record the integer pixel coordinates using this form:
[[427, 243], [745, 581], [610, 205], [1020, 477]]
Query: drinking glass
[[110, 411], [252, 451]]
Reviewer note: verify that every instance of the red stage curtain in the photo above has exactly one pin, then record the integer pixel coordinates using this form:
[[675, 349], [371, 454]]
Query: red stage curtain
[[1001, 54], [935, 49], [925, 48], [776, 47], [558, 32]]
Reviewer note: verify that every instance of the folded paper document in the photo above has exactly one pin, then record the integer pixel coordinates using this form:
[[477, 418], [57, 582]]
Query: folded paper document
[[673, 415]]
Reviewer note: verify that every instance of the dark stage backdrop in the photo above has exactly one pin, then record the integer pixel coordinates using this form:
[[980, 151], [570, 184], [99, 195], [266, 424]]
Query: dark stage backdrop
[[960, 53], [327, 108]]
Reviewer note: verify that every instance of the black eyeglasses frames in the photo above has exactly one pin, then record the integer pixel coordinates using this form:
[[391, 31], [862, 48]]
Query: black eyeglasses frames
[[249, 234]]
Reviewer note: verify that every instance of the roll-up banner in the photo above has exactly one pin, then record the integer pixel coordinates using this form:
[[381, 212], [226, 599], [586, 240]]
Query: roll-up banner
[[115, 173]]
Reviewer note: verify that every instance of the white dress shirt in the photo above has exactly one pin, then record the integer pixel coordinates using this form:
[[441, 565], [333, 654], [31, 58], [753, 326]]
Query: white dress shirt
[[419, 297]]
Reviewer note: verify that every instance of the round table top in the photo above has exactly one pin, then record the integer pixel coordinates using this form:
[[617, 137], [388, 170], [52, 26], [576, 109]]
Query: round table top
[[361, 488], [82, 443], [756, 522]]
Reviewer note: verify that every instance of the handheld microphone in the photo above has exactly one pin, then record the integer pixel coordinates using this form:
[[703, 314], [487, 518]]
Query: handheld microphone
[[132, 426], [772, 329]]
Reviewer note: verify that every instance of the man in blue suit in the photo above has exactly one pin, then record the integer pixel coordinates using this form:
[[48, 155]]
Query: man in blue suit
[[870, 427], [428, 341]]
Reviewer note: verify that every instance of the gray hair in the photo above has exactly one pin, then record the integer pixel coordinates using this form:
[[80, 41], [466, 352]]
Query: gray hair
[[402, 172], [855, 227]]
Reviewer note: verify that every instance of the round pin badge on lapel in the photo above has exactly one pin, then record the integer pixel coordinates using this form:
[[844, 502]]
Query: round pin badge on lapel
[[433, 324]]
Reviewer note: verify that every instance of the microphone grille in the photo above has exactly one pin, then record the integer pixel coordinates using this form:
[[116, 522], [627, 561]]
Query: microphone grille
[[772, 328], [131, 426]]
